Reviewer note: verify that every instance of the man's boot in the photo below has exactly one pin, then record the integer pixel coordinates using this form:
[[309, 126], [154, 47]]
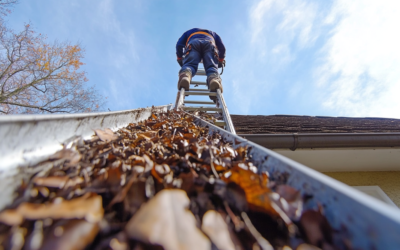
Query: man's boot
[[214, 82], [184, 79]]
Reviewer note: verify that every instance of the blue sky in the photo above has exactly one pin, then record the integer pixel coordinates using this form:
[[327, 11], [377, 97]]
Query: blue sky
[[298, 57]]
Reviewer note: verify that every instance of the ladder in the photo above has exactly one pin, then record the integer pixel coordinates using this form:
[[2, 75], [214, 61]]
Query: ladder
[[219, 107]]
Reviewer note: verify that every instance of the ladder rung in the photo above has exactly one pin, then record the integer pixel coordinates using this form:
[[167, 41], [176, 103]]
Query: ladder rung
[[201, 72], [198, 83], [200, 93], [202, 109], [199, 90], [199, 102], [219, 123]]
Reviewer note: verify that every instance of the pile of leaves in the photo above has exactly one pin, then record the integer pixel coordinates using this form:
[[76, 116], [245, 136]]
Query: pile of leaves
[[164, 183]]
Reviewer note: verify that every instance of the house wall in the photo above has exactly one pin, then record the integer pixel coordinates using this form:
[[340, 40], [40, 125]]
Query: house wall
[[388, 181], [346, 159]]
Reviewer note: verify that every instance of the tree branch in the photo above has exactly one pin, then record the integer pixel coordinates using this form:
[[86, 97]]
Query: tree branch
[[35, 107], [17, 91]]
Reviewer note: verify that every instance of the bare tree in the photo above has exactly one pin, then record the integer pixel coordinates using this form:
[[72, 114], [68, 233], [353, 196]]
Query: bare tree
[[5, 5], [38, 77]]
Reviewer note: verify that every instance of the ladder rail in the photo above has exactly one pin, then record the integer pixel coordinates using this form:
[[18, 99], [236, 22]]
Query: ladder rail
[[180, 99], [225, 113]]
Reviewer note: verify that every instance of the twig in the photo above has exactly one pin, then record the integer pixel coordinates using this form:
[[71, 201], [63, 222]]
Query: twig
[[173, 136], [264, 244], [238, 224], [212, 164], [291, 227]]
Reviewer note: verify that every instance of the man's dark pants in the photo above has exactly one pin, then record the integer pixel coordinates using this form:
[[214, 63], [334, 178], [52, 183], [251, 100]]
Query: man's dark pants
[[200, 49]]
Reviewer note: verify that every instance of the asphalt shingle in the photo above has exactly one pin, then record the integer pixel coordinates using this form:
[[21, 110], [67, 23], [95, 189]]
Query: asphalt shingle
[[287, 124]]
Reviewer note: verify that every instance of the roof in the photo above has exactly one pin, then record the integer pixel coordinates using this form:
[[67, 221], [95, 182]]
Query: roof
[[288, 124]]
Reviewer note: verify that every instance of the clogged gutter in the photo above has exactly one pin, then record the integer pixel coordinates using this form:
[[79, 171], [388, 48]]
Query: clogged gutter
[[164, 183]]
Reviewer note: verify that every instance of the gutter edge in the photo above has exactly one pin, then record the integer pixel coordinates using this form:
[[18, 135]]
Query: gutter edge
[[324, 140]]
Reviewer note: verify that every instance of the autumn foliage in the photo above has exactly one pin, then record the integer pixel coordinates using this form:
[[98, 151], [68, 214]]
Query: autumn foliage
[[41, 77]]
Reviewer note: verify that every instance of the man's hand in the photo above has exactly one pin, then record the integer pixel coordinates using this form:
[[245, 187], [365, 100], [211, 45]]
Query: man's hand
[[180, 62], [221, 63]]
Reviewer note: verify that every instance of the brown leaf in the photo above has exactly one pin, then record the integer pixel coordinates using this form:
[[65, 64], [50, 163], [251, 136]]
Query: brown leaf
[[87, 207], [188, 181], [288, 193], [11, 217], [165, 220], [316, 227], [106, 135], [159, 171], [135, 197], [136, 160], [215, 227], [74, 235], [293, 206], [122, 193], [148, 135], [307, 247], [57, 181], [51, 181], [72, 156], [257, 194]]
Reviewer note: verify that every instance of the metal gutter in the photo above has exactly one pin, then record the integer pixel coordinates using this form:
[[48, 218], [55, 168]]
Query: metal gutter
[[324, 140], [28, 139], [366, 222]]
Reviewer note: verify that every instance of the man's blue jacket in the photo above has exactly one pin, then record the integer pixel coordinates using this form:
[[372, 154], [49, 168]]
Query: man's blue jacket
[[197, 33]]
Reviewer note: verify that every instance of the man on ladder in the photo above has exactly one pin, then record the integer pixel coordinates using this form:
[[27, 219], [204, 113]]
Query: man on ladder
[[195, 45]]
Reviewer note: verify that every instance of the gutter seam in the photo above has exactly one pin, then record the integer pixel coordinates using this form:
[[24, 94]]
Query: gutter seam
[[295, 141]]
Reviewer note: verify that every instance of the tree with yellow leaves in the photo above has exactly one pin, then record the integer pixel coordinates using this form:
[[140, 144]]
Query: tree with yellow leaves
[[38, 77]]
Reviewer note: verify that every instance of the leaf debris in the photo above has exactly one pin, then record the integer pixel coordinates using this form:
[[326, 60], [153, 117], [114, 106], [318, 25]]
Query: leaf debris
[[164, 183]]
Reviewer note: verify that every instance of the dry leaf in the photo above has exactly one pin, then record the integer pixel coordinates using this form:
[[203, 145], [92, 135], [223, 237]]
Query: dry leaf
[[74, 235], [316, 227], [87, 207], [148, 135], [11, 217], [107, 135], [57, 181], [307, 247], [293, 203], [72, 156], [165, 220], [51, 181], [135, 171], [216, 228], [122, 193], [257, 194]]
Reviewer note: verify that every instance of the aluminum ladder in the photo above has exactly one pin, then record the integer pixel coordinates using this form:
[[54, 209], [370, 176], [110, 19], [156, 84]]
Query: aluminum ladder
[[218, 107]]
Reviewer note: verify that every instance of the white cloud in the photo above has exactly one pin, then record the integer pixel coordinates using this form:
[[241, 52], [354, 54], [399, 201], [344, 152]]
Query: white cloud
[[360, 74], [296, 20], [257, 21], [357, 68], [123, 49], [276, 28], [281, 53]]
